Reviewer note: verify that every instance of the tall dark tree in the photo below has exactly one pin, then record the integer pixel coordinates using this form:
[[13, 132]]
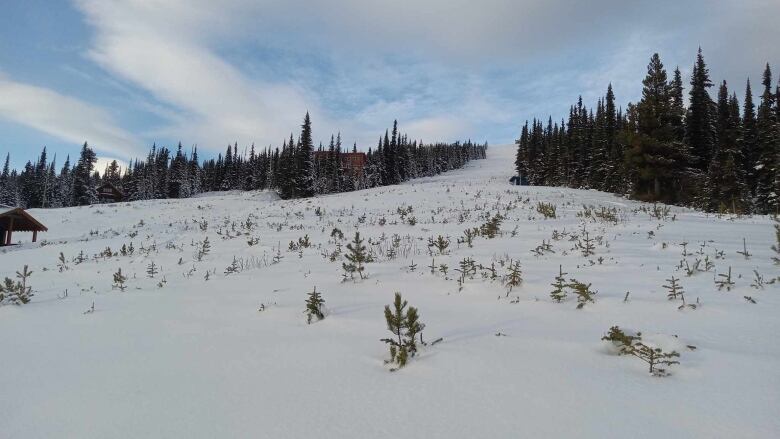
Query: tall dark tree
[[83, 189], [725, 187], [700, 120], [767, 147], [304, 178]]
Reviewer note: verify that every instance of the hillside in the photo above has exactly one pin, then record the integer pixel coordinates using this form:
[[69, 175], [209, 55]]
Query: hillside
[[179, 355]]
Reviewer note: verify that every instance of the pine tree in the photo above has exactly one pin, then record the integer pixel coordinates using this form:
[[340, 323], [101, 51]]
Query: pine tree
[[83, 189], [748, 141], [119, 280], [304, 179], [700, 120], [659, 161], [405, 326], [725, 187], [768, 145], [356, 257], [314, 304]]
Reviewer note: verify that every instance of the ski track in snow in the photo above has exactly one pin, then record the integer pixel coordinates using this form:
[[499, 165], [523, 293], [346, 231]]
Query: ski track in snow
[[196, 359]]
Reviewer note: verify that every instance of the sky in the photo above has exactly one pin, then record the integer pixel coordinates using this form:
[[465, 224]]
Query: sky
[[124, 74]]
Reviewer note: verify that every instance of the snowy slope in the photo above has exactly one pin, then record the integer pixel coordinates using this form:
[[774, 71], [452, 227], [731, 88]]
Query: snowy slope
[[197, 359]]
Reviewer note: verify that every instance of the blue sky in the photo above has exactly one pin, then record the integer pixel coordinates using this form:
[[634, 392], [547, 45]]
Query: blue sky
[[122, 74]]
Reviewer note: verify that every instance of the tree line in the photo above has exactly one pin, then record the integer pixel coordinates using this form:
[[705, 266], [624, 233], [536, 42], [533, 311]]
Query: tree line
[[710, 154], [293, 170]]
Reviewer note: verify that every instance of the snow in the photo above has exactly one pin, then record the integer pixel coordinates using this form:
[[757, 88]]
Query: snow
[[197, 359]]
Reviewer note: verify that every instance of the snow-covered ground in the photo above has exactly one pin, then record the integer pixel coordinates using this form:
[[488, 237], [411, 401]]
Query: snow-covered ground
[[197, 358]]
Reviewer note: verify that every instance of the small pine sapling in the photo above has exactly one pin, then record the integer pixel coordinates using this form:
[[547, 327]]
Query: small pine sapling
[[724, 281], [405, 326], [62, 263], [514, 277], [17, 292], [546, 209], [233, 268], [314, 304], [583, 293], [744, 251], [585, 244], [558, 294], [356, 257], [674, 288], [440, 244], [152, 270], [633, 345], [119, 280], [203, 249]]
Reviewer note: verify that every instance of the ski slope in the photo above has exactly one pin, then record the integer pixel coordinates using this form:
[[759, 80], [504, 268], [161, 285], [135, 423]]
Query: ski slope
[[232, 356]]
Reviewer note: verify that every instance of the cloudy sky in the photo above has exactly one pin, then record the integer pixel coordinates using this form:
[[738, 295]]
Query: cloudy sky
[[122, 74]]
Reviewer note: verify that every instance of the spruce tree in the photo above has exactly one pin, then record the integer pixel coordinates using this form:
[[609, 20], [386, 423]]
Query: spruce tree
[[314, 304], [748, 141], [405, 326], [725, 187], [83, 189], [356, 257], [304, 179], [699, 121], [768, 145], [658, 160]]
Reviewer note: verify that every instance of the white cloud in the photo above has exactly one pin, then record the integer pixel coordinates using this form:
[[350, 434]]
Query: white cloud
[[64, 117]]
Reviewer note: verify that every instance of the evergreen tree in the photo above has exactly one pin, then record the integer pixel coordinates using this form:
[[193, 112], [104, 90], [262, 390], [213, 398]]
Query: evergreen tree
[[700, 131], [356, 258], [83, 190], [726, 190], [658, 160], [304, 181], [748, 141], [768, 140], [314, 304]]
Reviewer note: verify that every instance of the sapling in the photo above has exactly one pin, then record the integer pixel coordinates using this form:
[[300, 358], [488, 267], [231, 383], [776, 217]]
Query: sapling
[[585, 244], [633, 345], [776, 247], [233, 268], [119, 280], [17, 292], [744, 251], [405, 326], [152, 270], [558, 294], [758, 280], [583, 292], [356, 257], [203, 248], [674, 288], [724, 281], [440, 244], [546, 209], [62, 264], [314, 304], [514, 277]]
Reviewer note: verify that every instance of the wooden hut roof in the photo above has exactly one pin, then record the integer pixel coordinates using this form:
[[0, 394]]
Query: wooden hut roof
[[23, 221]]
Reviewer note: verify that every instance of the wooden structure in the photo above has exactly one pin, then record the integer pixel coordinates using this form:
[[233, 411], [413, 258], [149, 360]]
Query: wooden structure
[[108, 193], [351, 162], [518, 180], [15, 219]]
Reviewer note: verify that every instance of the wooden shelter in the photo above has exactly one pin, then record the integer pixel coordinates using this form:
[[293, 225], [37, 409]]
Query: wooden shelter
[[16, 219], [351, 162], [108, 193]]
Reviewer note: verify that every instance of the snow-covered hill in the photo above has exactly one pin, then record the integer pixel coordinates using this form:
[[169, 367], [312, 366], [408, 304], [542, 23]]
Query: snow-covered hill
[[232, 356]]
